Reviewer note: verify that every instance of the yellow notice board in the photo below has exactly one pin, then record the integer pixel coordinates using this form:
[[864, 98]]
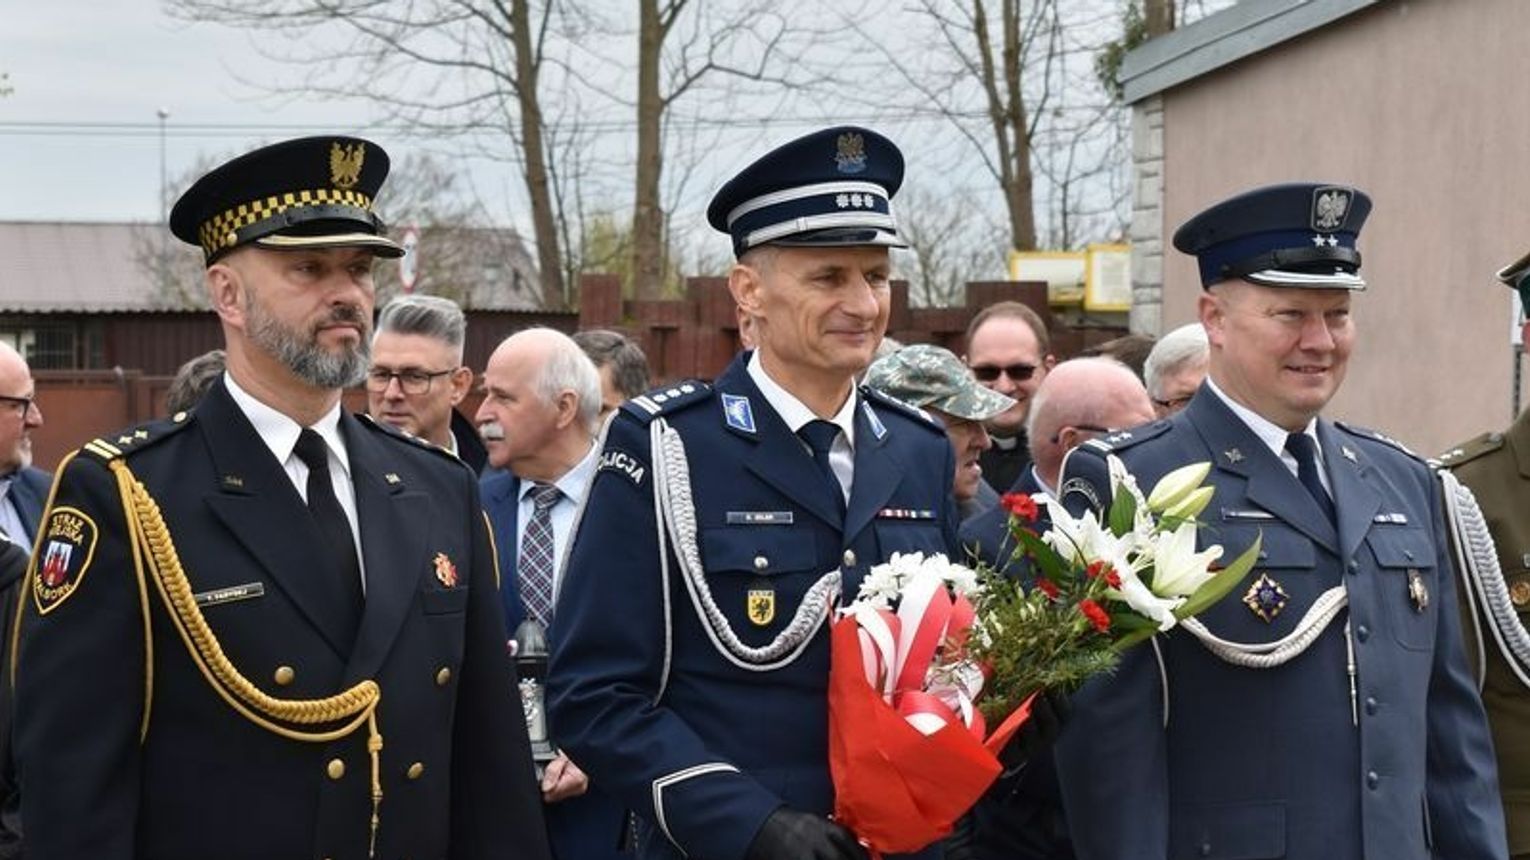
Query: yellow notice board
[[1108, 279], [1064, 272]]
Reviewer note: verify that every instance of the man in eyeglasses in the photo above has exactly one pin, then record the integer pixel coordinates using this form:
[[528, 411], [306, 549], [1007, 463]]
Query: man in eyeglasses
[[22, 487], [417, 377], [1175, 368], [1009, 352], [1324, 709], [1494, 468]]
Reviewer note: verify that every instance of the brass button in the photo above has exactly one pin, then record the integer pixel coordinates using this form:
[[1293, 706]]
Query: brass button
[[284, 675], [335, 768], [1519, 592], [849, 558], [761, 562], [443, 676], [415, 770]]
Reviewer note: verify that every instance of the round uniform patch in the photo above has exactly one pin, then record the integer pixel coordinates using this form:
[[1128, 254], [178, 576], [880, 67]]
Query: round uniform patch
[[67, 547]]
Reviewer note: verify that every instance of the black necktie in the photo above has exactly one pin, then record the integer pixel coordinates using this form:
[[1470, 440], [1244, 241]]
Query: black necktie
[[1304, 450], [339, 544], [820, 436]]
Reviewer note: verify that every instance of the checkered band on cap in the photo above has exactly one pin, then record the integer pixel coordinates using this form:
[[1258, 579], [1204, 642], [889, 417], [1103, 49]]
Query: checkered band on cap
[[221, 232]]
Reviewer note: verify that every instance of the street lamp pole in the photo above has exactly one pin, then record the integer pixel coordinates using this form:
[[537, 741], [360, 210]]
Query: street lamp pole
[[164, 114]]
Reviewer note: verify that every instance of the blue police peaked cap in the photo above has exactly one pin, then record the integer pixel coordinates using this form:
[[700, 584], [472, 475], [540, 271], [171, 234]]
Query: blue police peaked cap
[[831, 187], [1300, 234], [313, 192]]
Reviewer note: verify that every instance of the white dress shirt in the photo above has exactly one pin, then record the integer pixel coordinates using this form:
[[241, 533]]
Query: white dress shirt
[[796, 415], [1274, 435]]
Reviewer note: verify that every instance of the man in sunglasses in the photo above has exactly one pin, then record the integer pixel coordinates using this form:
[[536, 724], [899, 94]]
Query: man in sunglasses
[[1494, 469], [1009, 352], [417, 377], [1323, 709]]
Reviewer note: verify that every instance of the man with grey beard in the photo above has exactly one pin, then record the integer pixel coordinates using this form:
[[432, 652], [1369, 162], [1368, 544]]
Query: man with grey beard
[[231, 609]]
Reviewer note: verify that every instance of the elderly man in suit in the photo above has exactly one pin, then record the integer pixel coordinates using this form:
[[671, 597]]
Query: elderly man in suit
[[267, 628], [1329, 711]]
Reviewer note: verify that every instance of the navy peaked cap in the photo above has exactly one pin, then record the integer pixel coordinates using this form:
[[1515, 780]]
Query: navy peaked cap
[[831, 187], [313, 192], [1299, 234]]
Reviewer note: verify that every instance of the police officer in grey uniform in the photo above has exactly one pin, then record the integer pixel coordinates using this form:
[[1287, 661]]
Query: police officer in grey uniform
[[690, 653], [1324, 709]]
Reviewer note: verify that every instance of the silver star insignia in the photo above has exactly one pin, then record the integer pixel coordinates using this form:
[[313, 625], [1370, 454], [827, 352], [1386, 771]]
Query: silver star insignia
[[1349, 453], [1233, 455], [1318, 241], [842, 201]]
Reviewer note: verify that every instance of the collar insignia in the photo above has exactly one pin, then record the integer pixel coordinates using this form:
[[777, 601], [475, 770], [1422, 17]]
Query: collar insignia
[[738, 413]]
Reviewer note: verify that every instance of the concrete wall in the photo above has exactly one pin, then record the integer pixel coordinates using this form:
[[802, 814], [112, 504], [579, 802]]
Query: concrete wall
[[1425, 105]]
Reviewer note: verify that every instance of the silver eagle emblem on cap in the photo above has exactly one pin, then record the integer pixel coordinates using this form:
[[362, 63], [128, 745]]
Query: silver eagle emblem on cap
[[1329, 206]]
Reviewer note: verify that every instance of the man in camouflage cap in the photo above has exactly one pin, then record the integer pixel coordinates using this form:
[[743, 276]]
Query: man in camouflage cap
[[936, 380]]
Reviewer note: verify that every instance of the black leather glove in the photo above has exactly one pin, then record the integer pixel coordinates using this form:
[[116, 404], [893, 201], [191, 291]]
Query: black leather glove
[[792, 835], [1049, 713], [962, 843]]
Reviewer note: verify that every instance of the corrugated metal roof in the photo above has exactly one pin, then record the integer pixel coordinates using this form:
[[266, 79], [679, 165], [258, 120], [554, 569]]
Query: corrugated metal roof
[[52, 266], [104, 267], [1224, 38]]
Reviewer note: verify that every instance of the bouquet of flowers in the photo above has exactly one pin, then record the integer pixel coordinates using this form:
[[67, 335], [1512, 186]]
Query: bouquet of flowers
[[931, 652]]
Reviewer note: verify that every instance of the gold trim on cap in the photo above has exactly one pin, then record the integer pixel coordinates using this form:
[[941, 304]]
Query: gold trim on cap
[[220, 232]]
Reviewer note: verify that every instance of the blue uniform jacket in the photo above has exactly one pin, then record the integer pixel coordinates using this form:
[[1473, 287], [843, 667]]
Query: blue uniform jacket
[[588, 827], [126, 749], [1260, 763], [703, 748], [986, 538], [29, 488]]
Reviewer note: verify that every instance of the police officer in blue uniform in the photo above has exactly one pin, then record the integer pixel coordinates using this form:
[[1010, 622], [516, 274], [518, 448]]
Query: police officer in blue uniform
[[269, 628], [690, 650], [1324, 708]]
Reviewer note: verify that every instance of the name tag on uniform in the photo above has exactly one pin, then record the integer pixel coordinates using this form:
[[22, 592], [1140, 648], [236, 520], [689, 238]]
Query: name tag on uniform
[[905, 514], [759, 518], [1399, 519], [233, 593]]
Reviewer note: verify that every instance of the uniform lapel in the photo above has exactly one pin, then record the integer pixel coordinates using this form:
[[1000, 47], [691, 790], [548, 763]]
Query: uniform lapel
[[394, 525], [877, 473], [1355, 497], [1238, 450], [779, 458], [257, 503]]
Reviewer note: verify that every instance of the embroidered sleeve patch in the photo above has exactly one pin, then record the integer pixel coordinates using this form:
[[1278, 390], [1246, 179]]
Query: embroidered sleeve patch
[[68, 546], [614, 460]]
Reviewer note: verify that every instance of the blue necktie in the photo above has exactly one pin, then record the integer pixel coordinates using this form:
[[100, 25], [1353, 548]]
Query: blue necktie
[[819, 436], [1304, 450]]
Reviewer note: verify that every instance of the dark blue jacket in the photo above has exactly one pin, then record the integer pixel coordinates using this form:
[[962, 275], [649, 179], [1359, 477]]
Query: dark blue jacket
[[701, 743], [1207, 759]]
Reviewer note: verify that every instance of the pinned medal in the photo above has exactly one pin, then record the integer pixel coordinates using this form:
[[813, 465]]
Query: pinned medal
[[446, 572], [761, 607], [1418, 592], [1266, 598], [1519, 593]]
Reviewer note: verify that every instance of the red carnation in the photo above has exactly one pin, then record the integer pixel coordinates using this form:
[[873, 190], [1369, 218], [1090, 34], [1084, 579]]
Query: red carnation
[[1102, 568], [1113, 579], [1020, 505], [1095, 614], [1046, 587]]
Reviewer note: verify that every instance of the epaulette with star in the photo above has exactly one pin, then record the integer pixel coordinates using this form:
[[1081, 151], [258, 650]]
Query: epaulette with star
[[885, 399], [1469, 450], [667, 400], [395, 433], [110, 446], [1378, 436], [1123, 439]]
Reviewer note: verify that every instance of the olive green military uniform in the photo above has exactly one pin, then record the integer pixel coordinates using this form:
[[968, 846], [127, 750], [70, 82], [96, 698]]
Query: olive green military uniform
[[1496, 468]]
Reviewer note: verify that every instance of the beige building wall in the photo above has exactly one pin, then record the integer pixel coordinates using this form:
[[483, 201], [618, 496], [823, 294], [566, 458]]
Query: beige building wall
[[1425, 105]]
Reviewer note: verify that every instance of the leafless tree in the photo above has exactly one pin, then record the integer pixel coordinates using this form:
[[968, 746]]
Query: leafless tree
[[468, 71], [950, 242]]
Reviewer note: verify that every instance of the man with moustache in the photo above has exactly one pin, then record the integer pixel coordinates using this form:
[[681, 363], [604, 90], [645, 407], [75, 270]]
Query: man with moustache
[[690, 648], [417, 376], [265, 628], [1324, 709]]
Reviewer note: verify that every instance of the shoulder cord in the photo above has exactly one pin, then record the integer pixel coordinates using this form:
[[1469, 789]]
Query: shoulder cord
[[672, 496], [1478, 560], [151, 541], [1268, 655]]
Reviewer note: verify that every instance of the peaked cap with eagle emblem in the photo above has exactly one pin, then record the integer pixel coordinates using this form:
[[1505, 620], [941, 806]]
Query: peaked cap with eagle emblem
[[312, 192], [1299, 234]]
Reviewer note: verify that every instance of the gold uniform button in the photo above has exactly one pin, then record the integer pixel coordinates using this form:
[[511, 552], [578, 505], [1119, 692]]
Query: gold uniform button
[[284, 675], [335, 769], [443, 676], [415, 770], [1519, 592], [849, 558]]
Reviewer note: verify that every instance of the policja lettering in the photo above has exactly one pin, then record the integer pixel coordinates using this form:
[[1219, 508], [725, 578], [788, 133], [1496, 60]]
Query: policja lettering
[[621, 461]]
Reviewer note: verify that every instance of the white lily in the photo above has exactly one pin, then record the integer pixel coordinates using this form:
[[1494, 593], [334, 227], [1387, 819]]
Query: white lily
[[1173, 488], [1178, 570], [1123, 481], [1144, 602], [1191, 505], [1083, 539]]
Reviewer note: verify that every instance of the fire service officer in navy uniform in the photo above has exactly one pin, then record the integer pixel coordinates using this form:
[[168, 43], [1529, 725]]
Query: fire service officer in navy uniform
[[690, 650], [270, 629], [1324, 708]]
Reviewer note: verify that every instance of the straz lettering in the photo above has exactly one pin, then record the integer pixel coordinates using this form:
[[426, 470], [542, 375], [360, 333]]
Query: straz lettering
[[67, 526], [621, 461]]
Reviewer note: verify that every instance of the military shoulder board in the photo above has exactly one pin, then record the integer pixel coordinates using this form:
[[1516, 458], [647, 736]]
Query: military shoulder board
[[1377, 436], [110, 446], [667, 400], [1123, 439], [394, 432], [1465, 452], [910, 410]]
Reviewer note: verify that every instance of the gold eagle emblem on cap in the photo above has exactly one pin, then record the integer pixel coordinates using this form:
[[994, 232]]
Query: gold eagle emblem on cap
[[345, 164]]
